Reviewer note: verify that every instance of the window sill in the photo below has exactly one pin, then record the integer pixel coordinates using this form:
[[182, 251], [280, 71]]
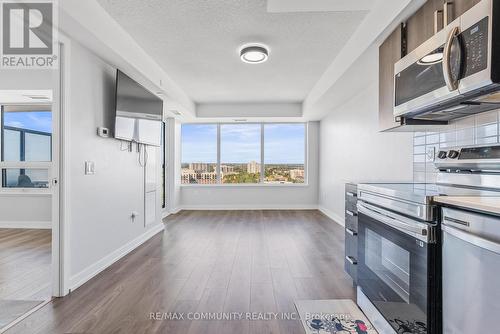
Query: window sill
[[245, 185], [25, 192]]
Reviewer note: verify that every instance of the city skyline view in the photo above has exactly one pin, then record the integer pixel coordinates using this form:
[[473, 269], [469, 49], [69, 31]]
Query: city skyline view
[[240, 143], [240, 153]]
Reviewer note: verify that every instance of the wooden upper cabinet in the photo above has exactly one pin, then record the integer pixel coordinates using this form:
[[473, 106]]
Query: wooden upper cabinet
[[420, 26], [389, 54], [461, 6]]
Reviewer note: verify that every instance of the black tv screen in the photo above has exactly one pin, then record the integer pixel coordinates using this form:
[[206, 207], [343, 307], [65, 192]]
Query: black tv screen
[[139, 112]]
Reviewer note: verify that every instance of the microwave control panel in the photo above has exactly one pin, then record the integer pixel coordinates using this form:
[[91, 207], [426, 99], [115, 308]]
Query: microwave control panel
[[475, 47]]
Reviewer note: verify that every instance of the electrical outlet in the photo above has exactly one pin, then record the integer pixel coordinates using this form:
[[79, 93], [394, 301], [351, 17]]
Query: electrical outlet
[[431, 154]]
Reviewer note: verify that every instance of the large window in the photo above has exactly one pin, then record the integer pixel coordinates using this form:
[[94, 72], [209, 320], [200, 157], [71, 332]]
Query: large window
[[284, 153], [240, 153], [199, 154], [26, 141], [270, 153]]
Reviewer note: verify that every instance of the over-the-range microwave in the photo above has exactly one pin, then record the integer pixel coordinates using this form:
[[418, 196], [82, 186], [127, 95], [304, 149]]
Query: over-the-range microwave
[[455, 73]]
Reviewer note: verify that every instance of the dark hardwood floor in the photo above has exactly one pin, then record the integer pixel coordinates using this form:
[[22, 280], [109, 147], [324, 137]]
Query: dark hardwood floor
[[25, 264], [209, 261]]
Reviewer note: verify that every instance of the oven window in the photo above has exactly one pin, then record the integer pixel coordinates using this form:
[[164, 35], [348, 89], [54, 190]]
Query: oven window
[[421, 78], [389, 262]]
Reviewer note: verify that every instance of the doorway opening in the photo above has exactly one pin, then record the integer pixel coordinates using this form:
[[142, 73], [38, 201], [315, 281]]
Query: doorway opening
[[26, 201]]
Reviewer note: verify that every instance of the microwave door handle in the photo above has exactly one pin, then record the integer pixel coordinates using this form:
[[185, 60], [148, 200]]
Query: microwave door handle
[[451, 83]]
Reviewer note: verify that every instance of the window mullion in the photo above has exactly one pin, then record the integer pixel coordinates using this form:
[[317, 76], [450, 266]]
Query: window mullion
[[306, 152], [262, 168], [218, 176]]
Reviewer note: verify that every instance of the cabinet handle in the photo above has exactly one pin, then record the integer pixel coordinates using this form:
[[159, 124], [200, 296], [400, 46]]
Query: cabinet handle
[[350, 213], [351, 260], [447, 12], [457, 221], [438, 21], [351, 232], [351, 194]]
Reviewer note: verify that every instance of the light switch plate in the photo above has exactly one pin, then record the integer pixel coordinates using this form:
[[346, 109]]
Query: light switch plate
[[89, 168]]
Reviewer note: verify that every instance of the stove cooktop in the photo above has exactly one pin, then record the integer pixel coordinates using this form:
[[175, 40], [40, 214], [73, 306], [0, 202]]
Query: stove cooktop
[[423, 193]]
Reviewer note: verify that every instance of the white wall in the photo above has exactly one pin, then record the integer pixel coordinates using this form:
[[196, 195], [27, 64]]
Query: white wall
[[173, 164], [352, 148], [236, 110], [259, 196], [101, 228], [18, 210], [26, 79]]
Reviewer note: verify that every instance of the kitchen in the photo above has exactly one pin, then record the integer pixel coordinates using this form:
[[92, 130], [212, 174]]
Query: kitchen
[[411, 247]]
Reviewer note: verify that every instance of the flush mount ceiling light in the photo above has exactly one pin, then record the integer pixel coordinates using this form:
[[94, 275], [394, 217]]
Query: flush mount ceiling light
[[254, 54], [430, 59]]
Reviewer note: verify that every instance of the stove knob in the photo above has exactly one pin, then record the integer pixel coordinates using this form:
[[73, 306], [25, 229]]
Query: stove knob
[[442, 154], [453, 154]]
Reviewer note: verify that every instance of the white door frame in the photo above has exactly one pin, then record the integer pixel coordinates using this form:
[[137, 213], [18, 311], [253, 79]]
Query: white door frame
[[60, 172]]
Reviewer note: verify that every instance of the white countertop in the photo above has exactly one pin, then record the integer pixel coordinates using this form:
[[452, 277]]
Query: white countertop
[[486, 204]]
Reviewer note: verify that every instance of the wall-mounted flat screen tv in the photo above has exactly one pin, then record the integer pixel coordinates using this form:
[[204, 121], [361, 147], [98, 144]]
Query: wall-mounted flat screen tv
[[139, 112]]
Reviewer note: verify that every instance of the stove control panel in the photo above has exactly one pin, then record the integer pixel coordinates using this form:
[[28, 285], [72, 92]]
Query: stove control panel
[[469, 158], [452, 154], [442, 154]]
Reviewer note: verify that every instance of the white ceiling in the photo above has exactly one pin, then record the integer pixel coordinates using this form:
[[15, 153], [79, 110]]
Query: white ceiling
[[277, 6], [196, 43]]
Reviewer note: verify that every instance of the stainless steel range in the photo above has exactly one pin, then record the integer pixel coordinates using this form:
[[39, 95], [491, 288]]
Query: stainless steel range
[[400, 242]]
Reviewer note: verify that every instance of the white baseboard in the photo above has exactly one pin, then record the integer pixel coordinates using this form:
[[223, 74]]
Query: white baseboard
[[94, 269], [332, 215], [26, 224], [250, 207], [167, 213], [175, 210]]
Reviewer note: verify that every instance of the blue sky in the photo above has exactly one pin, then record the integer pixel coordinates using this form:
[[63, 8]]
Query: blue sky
[[33, 120], [284, 143]]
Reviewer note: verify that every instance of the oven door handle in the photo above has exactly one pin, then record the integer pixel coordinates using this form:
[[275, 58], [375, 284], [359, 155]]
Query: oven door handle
[[413, 228]]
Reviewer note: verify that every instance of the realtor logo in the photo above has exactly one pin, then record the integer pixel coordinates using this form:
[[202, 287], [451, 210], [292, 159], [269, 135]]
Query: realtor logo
[[28, 34]]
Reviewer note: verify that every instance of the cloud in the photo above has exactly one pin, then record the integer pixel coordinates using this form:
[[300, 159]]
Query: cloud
[[15, 124], [32, 120]]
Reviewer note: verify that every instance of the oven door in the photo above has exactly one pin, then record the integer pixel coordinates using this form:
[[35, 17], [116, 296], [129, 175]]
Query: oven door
[[394, 268]]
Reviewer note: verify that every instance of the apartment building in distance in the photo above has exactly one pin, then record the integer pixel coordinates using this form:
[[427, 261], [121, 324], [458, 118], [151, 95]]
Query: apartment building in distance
[[253, 167]]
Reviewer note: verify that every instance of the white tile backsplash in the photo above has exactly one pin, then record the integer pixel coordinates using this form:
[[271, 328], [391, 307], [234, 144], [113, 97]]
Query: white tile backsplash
[[474, 130], [488, 130], [419, 149], [432, 139], [489, 117]]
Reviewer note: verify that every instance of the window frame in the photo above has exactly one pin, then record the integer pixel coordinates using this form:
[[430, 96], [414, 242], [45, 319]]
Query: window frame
[[43, 165], [261, 182], [163, 165]]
